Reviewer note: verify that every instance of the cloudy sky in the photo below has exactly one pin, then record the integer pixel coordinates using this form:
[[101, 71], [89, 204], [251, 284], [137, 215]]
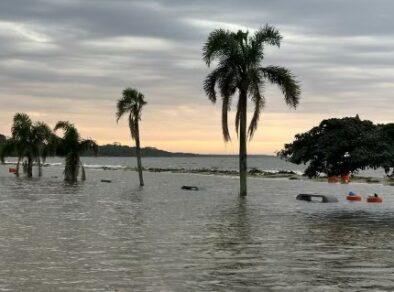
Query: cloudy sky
[[70, 60]]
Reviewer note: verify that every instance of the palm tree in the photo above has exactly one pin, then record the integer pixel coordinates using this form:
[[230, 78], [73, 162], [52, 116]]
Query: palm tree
[[71, 146], [239, 69], [41, 137], [20, 131], [28, 140], [131, 103]]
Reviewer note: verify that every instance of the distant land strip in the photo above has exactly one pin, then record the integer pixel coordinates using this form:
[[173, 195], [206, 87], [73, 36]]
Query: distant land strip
[[117, 150]]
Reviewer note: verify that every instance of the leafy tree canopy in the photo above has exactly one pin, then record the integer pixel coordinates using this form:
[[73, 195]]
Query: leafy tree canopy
[[339, 146]]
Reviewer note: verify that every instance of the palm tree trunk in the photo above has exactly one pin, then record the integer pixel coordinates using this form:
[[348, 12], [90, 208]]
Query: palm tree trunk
[[29, 166], [39, 167], [242, 145], [68, 174], [71, 168], [83, 173], [138, 153], [17, 166]]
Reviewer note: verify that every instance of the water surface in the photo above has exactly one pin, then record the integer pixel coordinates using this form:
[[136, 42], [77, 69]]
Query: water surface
[[98, 236]]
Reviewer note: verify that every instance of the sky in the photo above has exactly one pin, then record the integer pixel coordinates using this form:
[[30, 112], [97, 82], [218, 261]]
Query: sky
[[71, 59]]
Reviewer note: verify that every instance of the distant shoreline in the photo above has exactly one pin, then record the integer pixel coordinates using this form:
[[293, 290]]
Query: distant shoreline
[[117, 150]]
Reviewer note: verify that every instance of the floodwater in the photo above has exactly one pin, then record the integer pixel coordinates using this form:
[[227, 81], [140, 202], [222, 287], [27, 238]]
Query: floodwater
[[98, 236]]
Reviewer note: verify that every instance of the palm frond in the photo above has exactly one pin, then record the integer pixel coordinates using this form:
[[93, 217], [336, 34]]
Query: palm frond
[[267, 35], [228, 81], [41, 131], [210, 83], [286, 82], [255, 87], [64, 125], [259, 103], [88, 145], [220, 43], [214, 45], [225, 109], [21, 127], [132, 101]]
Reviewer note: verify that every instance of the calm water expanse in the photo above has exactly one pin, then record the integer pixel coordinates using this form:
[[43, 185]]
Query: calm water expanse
[[98, 236]]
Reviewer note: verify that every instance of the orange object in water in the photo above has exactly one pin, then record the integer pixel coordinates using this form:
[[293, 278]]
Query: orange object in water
[[354, 198], [374, 200], [12, 170], [345, 179], [332, 179]]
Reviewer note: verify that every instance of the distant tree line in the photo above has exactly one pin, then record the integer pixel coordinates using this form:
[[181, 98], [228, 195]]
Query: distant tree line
[[340, 146], [3, 139], [117, 150]]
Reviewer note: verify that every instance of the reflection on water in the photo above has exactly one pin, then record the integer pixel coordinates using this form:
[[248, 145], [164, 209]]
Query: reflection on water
[[116, 237]]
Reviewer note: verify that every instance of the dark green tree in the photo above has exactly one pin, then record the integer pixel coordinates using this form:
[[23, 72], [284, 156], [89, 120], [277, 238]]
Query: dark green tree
[[239, 57], [131, 104], [383, 147], [338, 146], [3, 140]]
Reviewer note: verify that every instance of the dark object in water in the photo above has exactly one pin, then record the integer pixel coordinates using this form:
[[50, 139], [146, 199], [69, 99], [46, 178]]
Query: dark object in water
[[324, 198], [106, 180], [189, 188]]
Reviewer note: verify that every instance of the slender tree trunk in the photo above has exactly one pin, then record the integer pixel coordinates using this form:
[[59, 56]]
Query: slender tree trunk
[[83, 173], [69, 174], [29, 166], [76, 166], [17, 165], [39, 167], [71, 168], [138, 153], [242, 145]]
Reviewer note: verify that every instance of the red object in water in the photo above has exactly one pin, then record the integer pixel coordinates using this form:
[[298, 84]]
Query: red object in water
[[354, 198], [374, 200], [332, 179], [345, 179], [12, 170]]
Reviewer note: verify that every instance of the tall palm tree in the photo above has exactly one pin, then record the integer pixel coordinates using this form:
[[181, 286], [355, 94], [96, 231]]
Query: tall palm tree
[[239, 69], [131, 103], [71, 146]]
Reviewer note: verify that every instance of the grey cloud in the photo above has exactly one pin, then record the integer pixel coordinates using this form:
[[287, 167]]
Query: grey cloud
[[96, 19], [89, 50]]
